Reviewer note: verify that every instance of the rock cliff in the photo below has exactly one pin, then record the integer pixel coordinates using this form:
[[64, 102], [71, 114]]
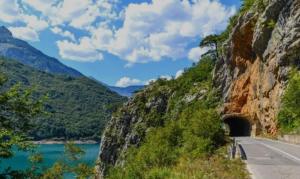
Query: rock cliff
[[259, 53], [129, 126]]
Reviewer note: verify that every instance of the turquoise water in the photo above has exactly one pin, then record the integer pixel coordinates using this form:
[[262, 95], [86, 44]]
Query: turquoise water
[[51, 153]]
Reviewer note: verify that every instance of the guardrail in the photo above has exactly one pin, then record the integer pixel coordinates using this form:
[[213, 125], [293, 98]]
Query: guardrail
[[236, 150]]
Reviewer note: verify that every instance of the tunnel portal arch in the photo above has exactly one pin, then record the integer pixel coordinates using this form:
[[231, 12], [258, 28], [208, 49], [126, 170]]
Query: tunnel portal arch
[[237, 125]]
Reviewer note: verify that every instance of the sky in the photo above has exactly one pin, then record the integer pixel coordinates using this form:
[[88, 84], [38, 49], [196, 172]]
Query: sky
[[119, 42]]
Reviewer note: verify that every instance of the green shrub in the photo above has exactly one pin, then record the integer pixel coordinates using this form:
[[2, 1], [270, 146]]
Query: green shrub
[[289, 116]]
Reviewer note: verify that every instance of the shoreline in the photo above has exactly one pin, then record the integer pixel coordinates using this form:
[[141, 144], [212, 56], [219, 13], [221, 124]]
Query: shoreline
[[49, 142]]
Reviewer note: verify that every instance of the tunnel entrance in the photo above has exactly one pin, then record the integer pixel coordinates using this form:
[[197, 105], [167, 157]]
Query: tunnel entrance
[[238, 126]]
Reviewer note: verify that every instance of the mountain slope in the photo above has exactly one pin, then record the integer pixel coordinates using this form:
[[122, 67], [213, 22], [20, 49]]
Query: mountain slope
[[21, 51], [78, 107], [126, 91], [167, 126]]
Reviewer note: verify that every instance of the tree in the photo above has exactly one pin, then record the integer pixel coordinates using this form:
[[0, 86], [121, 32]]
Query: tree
[[212, 42], [17, 108]]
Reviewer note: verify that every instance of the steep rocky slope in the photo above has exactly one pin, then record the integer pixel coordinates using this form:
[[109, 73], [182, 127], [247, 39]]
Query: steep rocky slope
[[254, 70], [153, 130]]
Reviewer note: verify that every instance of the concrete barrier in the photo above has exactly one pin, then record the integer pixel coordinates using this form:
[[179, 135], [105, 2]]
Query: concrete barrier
[[294, 139]]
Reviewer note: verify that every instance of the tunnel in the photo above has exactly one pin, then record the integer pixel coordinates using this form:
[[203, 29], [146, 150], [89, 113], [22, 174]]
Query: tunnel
[[238, 126]]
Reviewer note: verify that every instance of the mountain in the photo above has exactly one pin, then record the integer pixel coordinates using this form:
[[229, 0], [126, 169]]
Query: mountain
[[21, 51], [126, 91], [77, 107], [248, 85]]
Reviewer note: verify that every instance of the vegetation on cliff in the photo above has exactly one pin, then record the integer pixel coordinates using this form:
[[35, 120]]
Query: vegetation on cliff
[[185, 140], [289, 116], [77, 108]]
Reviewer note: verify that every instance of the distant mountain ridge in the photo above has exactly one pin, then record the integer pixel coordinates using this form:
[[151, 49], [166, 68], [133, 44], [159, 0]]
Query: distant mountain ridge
[[77, 107], [126, 91], [123, 91], [21, 51]]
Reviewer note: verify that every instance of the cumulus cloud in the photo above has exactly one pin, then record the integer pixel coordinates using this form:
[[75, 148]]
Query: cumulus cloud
[[83, 51], [179, 73], [63, 33], [166, 77], [30, 32], [150, 31], [25, 33], [126, 81], [153, 31], [76, 13], [44, 6], [9, 11], [34, 22], [196, 53]]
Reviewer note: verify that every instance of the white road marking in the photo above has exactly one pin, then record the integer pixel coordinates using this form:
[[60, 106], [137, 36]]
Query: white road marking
[[297, 159], [278, 141]]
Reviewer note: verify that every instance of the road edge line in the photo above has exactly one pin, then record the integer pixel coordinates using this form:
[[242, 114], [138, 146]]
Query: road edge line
[[278, 141], [296, 159]]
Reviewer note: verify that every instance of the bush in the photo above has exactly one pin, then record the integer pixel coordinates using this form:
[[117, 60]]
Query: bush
[[289, 116]]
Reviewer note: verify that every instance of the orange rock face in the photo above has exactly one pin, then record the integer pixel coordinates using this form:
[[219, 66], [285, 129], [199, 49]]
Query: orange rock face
[[254, 69], [256, 94]]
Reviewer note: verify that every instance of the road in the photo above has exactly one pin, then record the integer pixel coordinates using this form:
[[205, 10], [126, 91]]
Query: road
[[267, 159]]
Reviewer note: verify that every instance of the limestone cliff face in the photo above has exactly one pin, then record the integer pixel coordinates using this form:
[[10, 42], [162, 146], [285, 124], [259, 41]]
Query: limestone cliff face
[[259, 53], [128, 127]]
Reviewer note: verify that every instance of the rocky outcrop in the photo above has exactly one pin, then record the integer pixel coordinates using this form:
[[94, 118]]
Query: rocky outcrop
[[129, 125], [259, 53]]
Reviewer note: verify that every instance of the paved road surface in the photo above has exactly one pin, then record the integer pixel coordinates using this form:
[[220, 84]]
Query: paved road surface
[[267, 159]]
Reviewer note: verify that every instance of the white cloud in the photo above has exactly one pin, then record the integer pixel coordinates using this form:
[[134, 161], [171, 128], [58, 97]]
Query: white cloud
[[179, 73], [83, 51], [59, 31], [126, 81], [41, 5], [34, 23], [25, 33], [166, 77], [150, 31], [9, 11], [153, 31], [102, 37], [30, 32], [196, 53], [150, 81], [76, 13]]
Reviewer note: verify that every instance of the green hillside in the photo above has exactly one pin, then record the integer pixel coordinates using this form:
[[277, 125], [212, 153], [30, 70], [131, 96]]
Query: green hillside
[[175, 132], [77, 108]]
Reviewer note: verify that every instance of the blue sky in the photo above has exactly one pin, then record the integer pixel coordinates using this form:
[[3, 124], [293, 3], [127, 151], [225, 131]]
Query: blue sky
[[119, 42]]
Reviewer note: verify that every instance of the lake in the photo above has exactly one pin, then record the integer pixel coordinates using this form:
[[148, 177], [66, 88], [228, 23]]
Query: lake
[[51, 153]]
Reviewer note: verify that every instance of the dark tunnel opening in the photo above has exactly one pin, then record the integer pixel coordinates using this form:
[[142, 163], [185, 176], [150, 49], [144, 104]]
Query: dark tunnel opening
[[238, 126]]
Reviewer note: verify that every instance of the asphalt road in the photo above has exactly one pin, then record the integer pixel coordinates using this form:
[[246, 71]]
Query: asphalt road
[[267, 159]]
